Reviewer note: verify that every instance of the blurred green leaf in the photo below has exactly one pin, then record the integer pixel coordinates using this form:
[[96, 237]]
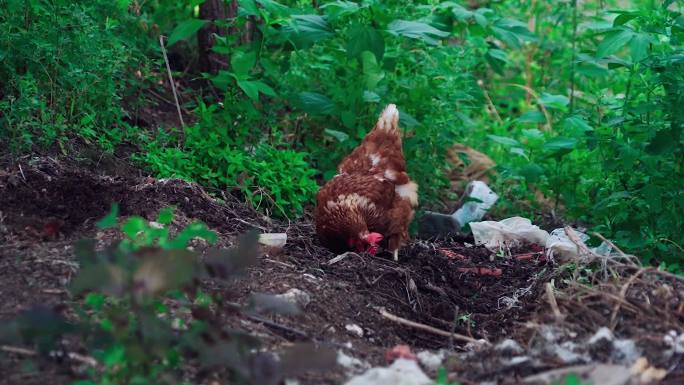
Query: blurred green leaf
[[185, 29], [365, 38], [316, 103], [416, 30], [613, 42], [559, 102], [504, 140], [109, 220]]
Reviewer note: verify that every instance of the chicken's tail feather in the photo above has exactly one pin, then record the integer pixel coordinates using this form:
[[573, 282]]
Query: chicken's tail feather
[[389, 119]]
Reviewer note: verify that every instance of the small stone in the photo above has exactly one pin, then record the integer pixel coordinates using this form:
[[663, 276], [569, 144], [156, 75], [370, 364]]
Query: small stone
[[354, 329], [509, 347], [431, 360], [296, 297]]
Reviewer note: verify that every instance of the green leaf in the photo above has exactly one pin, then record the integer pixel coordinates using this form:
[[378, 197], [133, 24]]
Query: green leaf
[[338, 9], [223, 79], [193, 230], [308, 29], [560, 146], [247, 8], [664, 141], [519, 151], [416, 30], [242, 62], [252, 88], [639, 47], [185, 29], [512, 32], [576, 123], [559, 102], [165, 215], [372, 72], [339, 135], [364, 38], [316, 103], [275, 8], [613, 42], [133, 226], [624, 17], [532, 117], [109, 220], [504, 140], [371, 97], [532, 172]]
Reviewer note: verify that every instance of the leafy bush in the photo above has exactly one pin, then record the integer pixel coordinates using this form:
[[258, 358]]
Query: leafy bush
[[609, 153], [277, 179], [63, 72]]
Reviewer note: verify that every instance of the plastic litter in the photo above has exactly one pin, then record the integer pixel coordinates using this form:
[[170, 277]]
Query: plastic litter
[[478, 197], [516, 231], [510, 232]]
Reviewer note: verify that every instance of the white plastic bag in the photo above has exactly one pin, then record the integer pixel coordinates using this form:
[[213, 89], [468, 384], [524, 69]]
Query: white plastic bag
[[509, 232]]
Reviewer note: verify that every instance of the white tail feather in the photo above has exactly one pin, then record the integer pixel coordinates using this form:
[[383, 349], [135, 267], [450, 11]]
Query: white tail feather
[[389, 119]]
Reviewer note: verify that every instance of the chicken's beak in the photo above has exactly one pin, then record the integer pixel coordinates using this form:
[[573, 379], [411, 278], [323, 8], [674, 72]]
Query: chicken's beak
[[373, 239]]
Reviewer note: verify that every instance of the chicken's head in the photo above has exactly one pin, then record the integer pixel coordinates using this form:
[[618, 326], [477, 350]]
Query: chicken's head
[[367, 242]]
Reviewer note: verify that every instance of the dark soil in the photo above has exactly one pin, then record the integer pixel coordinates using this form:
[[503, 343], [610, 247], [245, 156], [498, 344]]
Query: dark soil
[[45, 206]]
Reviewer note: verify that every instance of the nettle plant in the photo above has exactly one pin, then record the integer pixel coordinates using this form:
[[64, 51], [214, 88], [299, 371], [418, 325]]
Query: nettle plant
[[607, 145], [62, 66], [143, 315]]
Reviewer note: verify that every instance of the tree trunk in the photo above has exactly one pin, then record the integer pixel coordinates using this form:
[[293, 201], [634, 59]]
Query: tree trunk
[[214, 10]]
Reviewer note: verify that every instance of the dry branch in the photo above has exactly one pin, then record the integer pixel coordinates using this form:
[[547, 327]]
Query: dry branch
[[428, 328]]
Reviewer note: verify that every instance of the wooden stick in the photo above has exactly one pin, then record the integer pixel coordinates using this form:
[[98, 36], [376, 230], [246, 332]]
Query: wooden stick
[[173, 85], [552, 301], [90, 361], [623, 293], [427, 328]]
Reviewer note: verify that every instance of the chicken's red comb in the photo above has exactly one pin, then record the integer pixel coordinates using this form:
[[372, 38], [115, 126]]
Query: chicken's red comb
[[374, 238]]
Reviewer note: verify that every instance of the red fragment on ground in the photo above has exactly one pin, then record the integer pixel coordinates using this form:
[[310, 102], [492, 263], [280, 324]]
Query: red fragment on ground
[[399, 351], [529, 256], [485, 271], [451, 254]]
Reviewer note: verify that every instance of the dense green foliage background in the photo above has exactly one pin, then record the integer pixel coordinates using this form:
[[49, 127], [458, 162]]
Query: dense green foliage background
[[577, 100]]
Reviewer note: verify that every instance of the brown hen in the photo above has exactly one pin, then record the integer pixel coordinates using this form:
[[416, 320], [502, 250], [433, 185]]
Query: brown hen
[[372, 197]]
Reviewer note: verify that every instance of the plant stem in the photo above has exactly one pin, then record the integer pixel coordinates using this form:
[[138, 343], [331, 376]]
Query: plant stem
[[572, 64]]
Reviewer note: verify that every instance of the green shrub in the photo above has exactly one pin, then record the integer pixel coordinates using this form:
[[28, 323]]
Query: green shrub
[[270, 176], [63, 72]]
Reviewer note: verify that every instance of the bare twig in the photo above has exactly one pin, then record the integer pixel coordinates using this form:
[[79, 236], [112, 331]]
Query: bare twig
[[342, 256], [428, 328], [490, 104], [622, 253], [552, 301], [90, 361], [623, 293], [547, 116], [173, 84], [22, 173]]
